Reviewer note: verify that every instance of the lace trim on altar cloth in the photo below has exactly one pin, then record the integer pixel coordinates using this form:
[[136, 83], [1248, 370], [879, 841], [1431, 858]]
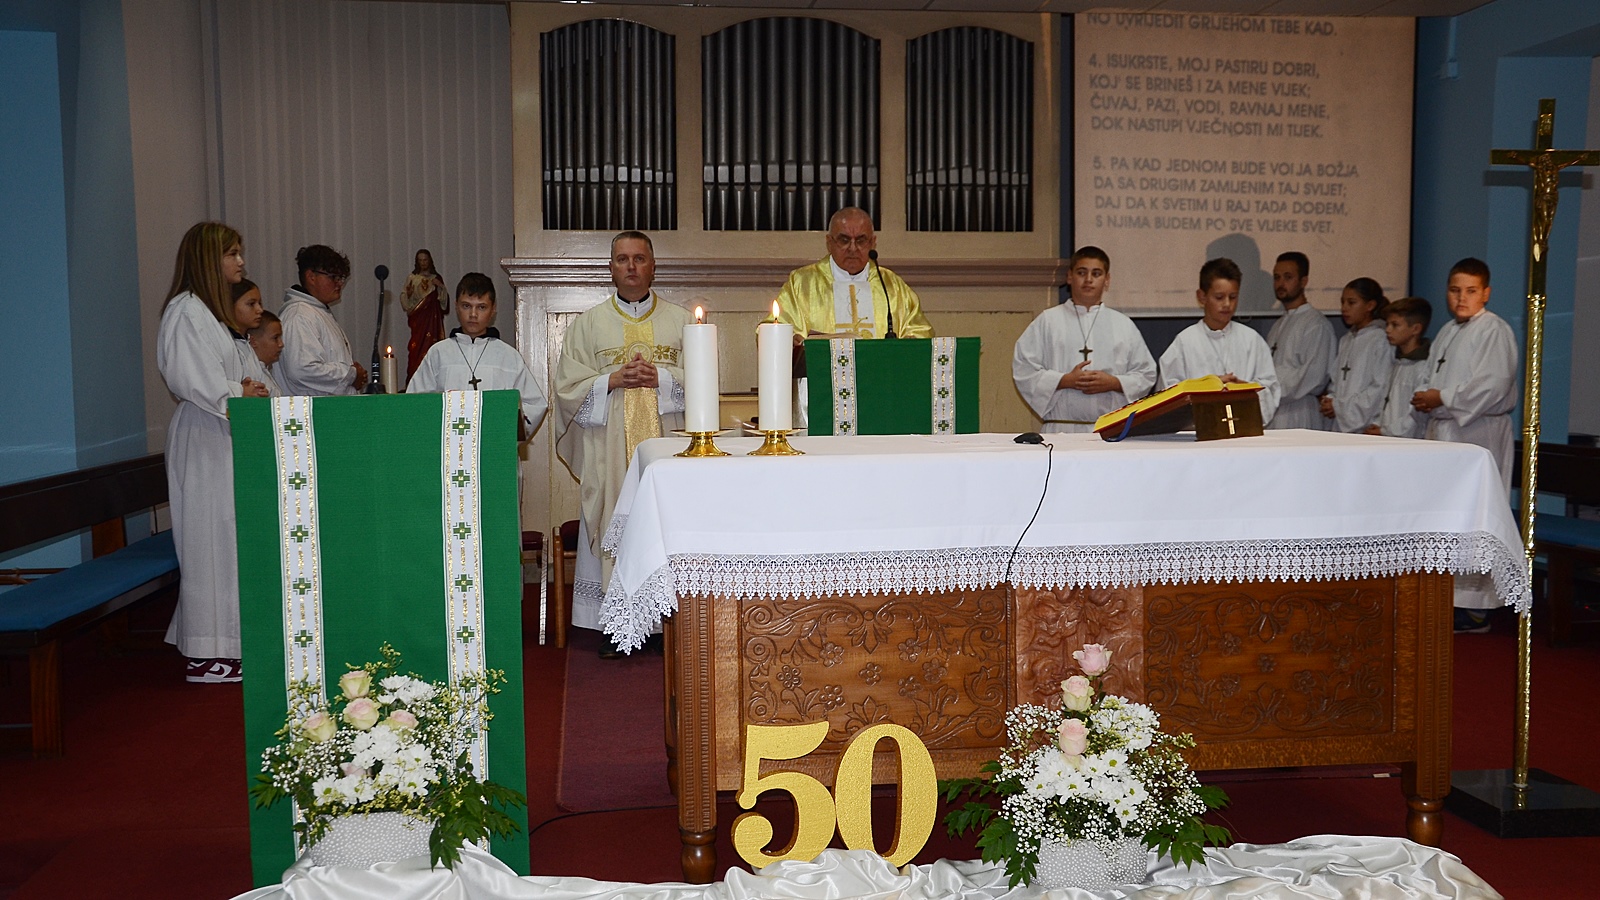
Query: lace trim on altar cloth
[[612, 539], [628, 619]]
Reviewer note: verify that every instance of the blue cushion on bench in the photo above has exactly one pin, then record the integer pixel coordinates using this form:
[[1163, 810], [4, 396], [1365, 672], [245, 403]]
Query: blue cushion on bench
[[36, 606], [1567, 531]]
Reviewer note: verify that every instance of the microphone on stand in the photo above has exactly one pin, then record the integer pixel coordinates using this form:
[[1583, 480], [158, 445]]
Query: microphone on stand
[[382, 274], [888, 331]]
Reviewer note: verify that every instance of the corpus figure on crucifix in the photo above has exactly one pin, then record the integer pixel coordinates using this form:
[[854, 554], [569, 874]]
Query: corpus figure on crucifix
[[473, 358], [1082, 359]]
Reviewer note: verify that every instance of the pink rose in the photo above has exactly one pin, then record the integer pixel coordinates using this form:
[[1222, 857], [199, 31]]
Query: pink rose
[[361, 713], [1094, 658], [355, 684], [400, 720], [319, 726], [1077, 694], [1074, 737], [352, 769]]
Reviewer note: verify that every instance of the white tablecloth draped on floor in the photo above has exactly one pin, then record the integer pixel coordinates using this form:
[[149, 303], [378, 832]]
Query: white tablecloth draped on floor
[[1324, 867], [876, 514]]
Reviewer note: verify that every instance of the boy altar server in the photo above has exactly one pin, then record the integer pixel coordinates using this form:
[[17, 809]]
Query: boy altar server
[[1217, 345], [1469, 392], [1051, 364], [473, 358], [1405, 321], [1471, 384], [1302, 345]]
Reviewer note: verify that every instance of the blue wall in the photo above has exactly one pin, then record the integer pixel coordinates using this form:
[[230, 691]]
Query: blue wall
[[1507, 56], [71, 354]]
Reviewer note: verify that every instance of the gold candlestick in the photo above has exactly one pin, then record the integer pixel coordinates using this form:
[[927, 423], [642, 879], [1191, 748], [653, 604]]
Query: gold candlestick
[[701, 445], [776, 444]]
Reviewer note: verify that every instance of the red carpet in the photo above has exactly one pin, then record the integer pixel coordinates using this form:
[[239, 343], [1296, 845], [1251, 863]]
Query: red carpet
[[613, 754], [149, 801]]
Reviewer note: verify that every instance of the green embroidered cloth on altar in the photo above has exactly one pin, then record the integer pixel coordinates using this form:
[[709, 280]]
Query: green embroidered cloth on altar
[[906, 386], [372, 519]]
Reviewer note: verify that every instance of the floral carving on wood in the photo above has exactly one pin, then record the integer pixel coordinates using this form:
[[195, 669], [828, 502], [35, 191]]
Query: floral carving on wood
[[1268, 660], [935, 664], [1053, 623]]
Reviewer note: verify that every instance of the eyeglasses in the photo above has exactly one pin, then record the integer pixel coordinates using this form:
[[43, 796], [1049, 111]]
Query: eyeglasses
[[338, 280], [845, 241]]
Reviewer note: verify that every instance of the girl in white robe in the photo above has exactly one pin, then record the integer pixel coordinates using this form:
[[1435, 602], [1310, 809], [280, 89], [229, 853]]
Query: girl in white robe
[[1358, 380], [200, 363]]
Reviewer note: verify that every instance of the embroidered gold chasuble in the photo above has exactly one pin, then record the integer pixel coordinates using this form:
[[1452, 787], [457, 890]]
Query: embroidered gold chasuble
[[806, 302]]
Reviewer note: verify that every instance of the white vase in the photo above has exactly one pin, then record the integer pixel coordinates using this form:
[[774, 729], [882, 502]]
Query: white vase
[[360, 841], [1091, 865]]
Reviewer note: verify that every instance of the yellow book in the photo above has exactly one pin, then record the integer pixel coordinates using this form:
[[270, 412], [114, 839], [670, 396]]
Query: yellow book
[[1145, 412]]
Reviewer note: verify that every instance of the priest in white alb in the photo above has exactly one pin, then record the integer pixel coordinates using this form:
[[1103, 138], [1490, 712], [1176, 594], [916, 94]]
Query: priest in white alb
[[1217, 345], [1302, 344], [317, 360], [473, 358], [619, 382], [1080, 360]]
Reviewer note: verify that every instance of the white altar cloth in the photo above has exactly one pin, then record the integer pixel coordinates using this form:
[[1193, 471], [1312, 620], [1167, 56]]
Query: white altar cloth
[[1324, 867], [892, 513]]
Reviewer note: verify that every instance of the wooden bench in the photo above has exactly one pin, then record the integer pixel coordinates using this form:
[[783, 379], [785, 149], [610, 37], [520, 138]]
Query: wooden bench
[[1569, 544], [37, 615]]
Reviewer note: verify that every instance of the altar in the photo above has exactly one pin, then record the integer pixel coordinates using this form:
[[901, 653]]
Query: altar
[[1285, 598]]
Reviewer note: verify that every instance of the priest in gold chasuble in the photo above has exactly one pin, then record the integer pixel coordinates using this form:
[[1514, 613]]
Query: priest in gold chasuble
[[848, 292], [619, 382]]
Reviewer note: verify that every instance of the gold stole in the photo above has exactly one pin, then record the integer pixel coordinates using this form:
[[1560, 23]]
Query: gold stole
[[641, 411]]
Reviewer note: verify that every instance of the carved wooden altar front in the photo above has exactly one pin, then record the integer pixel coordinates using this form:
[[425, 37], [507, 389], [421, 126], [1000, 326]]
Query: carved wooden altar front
[[1263, 674]]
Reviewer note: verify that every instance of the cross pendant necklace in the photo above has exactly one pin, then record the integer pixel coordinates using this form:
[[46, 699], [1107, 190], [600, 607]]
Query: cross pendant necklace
[[1094, 311], [472, 367]]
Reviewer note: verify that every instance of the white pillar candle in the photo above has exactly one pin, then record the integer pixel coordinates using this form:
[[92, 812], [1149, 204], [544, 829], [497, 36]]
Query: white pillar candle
[[775, 355], [391, 384], [701, 401]]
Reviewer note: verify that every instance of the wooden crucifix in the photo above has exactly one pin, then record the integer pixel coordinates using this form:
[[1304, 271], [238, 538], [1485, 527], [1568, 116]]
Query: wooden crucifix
[[1547, 165]]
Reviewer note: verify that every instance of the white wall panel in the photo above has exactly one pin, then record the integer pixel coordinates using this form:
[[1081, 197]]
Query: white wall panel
[[375, 128]]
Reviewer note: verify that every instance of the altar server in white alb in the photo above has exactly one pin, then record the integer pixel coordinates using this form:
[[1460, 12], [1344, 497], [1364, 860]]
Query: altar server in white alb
[[473, 358], [250, 319], [317, 360], [1469, 393], [1405, 322], [619, 382], [198, 360], [1472, 380], [1217, 345], [1359, 376], [1302, 344], [1082, 359]]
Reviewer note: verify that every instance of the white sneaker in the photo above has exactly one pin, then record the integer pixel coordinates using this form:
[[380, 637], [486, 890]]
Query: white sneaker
[[214, 671]]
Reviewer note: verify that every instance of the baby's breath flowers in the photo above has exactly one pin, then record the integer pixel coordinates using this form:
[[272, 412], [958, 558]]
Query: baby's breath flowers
[[398, 744], [1097, 769]]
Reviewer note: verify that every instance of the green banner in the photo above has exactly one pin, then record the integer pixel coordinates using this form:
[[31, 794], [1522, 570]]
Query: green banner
[[350, 512], [905, 386]]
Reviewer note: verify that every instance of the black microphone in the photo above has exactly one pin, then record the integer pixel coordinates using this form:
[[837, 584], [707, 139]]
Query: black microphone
[[888, 306], [382, 274]]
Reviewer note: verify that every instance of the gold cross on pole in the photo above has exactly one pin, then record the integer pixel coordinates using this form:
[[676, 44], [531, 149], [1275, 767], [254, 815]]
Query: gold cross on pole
[[1547, 165]]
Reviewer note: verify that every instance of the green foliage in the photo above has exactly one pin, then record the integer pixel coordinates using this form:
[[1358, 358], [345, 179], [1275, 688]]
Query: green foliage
[[316, 742]]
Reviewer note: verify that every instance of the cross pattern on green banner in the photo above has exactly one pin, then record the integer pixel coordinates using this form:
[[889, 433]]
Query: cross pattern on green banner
[[382, 555]]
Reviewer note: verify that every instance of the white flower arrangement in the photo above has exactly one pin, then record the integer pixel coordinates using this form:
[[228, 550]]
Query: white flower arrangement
[[403, 747], [1097, 769]]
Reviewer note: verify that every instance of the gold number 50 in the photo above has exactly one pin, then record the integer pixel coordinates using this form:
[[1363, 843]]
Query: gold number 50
[[850, 805]]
